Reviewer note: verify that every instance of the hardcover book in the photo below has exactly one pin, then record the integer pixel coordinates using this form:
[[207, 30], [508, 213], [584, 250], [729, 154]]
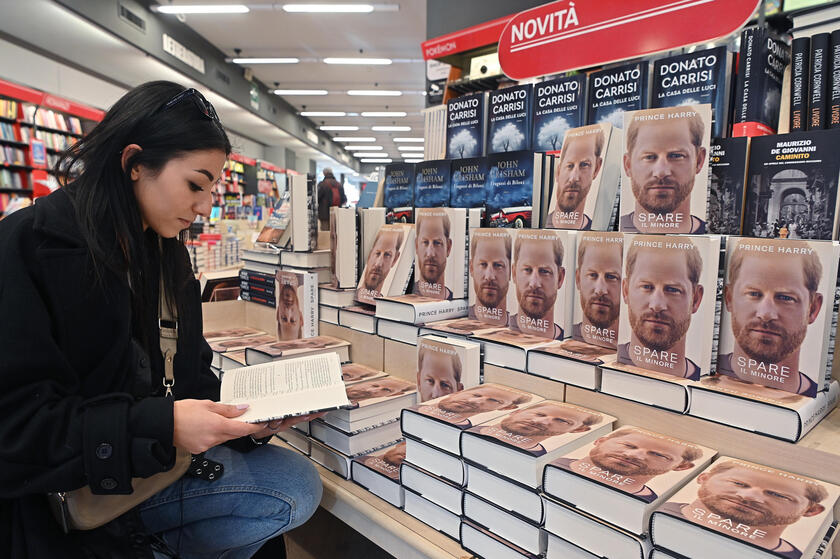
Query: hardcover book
[[373, 402], [505, 493], [665, 172], [485, 543], [465, 121], [304, 208], [435, 461], [440, 261], [818, 84], [276, 351], [612, 91], [296, 308], [418, 309], [509, 119], [695, 78], [623, 476], [389, 263], [570, 361], [352, 373], [741, 509], [800, 77], [463, 327], [586, 177], [507, 526], [370, 220], [330, 458], [358, 317], [510, 348], [439, 422], [559, 106], [727, 179], [379, 473], [399, 193], [238, 343], [598, 273], [335, 297], [514, 189], [358, 442], [432, 183], [435, 516], [231, 333], [436, 489], [792, 186], [344, 242], [667, 318], [468, 178], [489, 269], [775, 341], [758, 96], [445, 366], [519, 445], [833, 95]]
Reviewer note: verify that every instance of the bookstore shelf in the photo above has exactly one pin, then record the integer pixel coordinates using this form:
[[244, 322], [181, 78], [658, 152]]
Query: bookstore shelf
[[13, 143]]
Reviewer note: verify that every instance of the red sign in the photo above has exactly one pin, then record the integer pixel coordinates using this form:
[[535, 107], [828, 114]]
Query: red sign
[[480, 35], [571, 34]]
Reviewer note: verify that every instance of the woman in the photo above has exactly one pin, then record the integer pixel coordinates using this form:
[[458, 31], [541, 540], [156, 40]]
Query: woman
[[81, 371]]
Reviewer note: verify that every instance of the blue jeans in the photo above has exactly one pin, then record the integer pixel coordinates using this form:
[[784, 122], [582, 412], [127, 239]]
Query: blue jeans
[[262, 494]]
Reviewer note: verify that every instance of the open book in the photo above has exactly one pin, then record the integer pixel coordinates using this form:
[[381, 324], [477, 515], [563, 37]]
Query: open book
[[286, 388]]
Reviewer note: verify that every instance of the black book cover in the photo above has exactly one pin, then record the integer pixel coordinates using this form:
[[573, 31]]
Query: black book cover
[[399, 192], [799, 79], [509, 119], [792, 185], [431, 183], [559, 105], [761, 64], [468, 176], [465, 117], [509, 189], [692, 79], [615, 90], [833, 112], [727, 166], [818, 86]]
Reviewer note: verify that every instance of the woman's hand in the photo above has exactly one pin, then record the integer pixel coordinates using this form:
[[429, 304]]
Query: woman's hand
[[274, 427], [203, 424]]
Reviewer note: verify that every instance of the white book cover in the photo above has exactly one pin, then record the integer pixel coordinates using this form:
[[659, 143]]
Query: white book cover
[[440, 256], [445, 366], [668, 308], [777, 313], [665, 170], [344, 242], [388, 268], [296, 304], [597, 303], [586, 177]]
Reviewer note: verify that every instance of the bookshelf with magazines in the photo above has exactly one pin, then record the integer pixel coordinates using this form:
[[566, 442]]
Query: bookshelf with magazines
[[35, 128]]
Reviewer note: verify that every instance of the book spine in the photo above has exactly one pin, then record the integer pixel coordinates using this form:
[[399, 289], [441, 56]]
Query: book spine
[[818, 408], [833, 112], [817, 88], [800, 63], [443, 310], [310, 292], [753, 83]]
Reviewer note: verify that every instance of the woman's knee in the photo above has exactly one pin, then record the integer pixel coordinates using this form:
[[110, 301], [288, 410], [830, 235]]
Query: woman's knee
[[309, 488]]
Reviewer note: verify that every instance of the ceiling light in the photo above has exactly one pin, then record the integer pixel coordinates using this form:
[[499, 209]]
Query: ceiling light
[[370, 154], [339, 128], [323, 113], [375, 160], [328, 8], [410, 148], [384, 113], [370, 61], [202, 9], [357, 148], [375, 92], [289, 60], [353, 138], [391, 128], [415, 140], [300, 92]]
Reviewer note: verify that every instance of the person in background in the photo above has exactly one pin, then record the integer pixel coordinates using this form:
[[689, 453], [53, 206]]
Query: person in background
[[330, 193]]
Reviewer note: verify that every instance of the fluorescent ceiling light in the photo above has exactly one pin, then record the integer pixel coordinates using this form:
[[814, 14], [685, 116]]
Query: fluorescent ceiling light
[[323, 113], [384, 113], [353, 138], [370, 154], [410, 148], [391, 128], [368, 61], [375, 92], [300, 92], [357, 148], [415, 140], [289, 60], [339, 128], [387, 160], [328, 8], [203, 9]]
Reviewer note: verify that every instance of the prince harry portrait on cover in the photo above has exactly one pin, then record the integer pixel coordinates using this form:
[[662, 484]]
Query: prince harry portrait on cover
[[432, 247], [579, 165], [538, 274], [490, 273]]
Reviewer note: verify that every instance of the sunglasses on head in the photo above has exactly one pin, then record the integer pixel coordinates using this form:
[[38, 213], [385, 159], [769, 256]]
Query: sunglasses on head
[[198, 100]]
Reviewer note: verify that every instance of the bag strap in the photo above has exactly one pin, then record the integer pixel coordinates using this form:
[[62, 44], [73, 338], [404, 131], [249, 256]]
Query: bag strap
[[168, 327]]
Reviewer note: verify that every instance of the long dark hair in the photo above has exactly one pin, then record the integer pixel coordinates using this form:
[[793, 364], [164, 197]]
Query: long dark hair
[[103, 194]]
